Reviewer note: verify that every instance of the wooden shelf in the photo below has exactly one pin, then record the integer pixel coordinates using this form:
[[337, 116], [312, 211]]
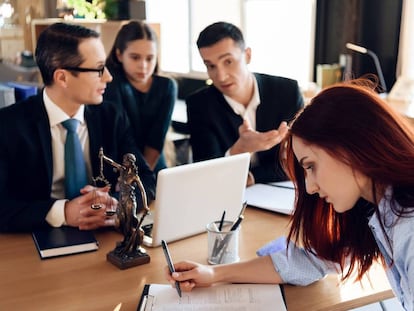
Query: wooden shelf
[[11, 42], [107, 29]]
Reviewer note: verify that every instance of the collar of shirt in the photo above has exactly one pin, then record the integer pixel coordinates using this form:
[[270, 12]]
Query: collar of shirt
[[57, 115], [248, 112], [394, 244], [58, 134]]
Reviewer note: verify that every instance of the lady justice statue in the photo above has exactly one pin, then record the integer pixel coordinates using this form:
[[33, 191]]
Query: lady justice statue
[[129, 252]]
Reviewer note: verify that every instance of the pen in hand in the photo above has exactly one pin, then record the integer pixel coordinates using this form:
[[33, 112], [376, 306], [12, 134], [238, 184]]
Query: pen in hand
[[170, 264]]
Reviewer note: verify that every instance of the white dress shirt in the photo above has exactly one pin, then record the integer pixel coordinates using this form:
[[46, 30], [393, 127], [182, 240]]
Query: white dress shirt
[[247, 112], [396, 245], [56, 215]]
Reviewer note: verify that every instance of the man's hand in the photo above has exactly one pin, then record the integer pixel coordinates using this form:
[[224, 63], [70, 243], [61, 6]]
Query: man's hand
[[79, 211], [254, 141]]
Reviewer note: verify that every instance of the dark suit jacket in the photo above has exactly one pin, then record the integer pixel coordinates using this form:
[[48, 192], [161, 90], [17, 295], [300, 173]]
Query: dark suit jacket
[[214, 125], [26, 158]]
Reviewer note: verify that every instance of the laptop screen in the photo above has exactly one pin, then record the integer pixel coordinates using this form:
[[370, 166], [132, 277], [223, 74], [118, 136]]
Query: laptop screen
[[190, 196]]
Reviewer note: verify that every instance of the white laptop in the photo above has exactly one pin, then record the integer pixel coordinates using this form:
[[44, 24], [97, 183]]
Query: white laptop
[[190, 196], [276, 197]]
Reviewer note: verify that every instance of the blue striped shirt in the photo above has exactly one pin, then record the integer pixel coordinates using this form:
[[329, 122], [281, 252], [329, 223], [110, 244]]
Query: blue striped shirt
[[299, 267]]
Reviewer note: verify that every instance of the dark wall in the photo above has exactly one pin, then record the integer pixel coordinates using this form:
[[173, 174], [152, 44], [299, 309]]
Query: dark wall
[[129, 9], [373, 24]]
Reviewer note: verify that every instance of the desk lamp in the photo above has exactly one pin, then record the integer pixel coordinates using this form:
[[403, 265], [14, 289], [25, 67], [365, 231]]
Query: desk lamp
[[374, 56]]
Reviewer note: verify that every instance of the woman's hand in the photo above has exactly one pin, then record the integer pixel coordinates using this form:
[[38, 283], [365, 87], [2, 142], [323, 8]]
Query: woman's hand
[[190, 274]]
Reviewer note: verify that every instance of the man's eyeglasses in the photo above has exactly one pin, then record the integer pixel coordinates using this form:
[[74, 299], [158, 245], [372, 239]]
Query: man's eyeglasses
[[100, 70]]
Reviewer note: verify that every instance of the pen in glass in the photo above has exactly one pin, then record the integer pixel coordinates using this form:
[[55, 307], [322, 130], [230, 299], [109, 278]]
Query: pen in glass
[[220, 247], [220, 227], [170, 264], [224, 244], [236, 224], [222, 220], [239, 219]]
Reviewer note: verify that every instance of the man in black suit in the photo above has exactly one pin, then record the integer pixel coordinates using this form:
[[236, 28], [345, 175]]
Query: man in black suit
[[241, 111], [71, 60]]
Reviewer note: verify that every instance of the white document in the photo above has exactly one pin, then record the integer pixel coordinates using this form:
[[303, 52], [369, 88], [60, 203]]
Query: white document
[[247, 297], [277, 197]]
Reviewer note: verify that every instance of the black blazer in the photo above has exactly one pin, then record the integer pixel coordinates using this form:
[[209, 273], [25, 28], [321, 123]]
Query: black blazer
[[214, 126], [26, 158]]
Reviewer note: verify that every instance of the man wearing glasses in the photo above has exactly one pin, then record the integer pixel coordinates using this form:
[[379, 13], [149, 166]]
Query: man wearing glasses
[[71, 60]]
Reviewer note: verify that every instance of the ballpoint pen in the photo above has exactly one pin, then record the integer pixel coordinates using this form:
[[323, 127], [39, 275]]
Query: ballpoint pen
[[222, 220], [223, 245], [170, 265], [220, 227], [236, 224], [239, 219], [241, 215]]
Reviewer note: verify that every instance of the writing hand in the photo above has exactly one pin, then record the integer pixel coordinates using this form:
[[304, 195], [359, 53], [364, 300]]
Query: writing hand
[[254, 141], [190, 274]]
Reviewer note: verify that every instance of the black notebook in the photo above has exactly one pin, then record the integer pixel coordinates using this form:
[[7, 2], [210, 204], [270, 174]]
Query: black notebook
[[61, 241]]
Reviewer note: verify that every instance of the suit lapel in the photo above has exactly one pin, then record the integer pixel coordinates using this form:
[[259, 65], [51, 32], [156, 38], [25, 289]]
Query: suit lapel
[[41, 120], [261, 113], [95, 138], [222, 105]]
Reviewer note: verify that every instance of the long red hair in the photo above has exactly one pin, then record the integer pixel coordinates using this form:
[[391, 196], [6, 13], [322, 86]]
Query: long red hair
[[354, 125]]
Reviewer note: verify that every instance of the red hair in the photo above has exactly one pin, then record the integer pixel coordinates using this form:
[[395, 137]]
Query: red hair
[[354, 125]]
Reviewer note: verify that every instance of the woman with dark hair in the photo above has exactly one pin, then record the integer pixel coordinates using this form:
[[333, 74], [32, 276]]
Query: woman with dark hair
[[147, 97], [351, 158]]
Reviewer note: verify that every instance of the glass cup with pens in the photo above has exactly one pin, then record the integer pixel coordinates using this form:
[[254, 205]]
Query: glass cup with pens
[[223, 240]]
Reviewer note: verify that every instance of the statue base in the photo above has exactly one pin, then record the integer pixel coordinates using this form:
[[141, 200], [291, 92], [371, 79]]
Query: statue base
[[125, 261]]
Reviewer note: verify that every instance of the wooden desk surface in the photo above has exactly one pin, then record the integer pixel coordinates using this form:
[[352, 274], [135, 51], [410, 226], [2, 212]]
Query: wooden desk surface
[[88, 282]]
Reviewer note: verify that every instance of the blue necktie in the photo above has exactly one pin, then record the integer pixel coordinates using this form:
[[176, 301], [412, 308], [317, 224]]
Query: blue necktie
[[75, 168]]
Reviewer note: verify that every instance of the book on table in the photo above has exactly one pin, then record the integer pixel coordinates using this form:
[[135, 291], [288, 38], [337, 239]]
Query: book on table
[[248, 297], [53, 242]]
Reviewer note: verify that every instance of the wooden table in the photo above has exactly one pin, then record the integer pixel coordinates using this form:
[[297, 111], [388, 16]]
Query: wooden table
[[88, 282]]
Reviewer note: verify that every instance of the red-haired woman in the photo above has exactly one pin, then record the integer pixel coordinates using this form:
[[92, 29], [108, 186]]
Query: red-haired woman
[[351, 157]]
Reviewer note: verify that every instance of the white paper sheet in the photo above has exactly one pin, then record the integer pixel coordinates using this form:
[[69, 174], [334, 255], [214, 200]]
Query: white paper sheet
[[276, 197], [248, 297]]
